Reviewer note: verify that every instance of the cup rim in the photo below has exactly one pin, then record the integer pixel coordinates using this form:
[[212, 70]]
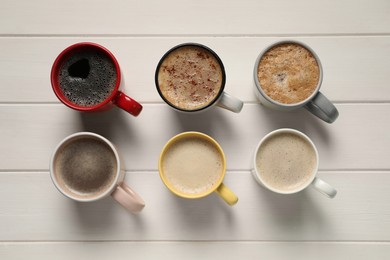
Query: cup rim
[[275, 132], [257, 82], [66, 53], [80, 135], [199, 46], [190, 134]]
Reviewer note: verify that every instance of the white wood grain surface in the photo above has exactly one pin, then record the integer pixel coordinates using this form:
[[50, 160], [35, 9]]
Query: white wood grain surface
[[196, 250], [352, 39], [358, 213], [194, 17], [357, 140], [351, 64]]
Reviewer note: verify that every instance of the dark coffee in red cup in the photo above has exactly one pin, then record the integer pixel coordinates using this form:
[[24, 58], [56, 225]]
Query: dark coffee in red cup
[[87, 77]]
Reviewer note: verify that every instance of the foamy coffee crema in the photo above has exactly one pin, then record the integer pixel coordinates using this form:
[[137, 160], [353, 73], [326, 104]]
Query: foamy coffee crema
[[288, 73], [286, 161], [192, 165], [87, 78], [190, 77], [86, 167]]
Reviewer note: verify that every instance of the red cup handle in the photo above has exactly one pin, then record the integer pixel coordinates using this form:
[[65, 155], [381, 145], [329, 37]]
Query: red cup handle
[[128, 104]]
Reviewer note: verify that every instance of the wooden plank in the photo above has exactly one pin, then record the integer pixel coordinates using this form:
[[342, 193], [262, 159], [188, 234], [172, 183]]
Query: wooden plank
[[352, 65], [29, 133], [189, 17], [31, 209], [196, 250]]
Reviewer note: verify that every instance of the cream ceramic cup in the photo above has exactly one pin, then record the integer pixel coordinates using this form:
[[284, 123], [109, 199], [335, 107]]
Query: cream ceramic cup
[[72, 151], [316, 103], [286, 162], [192, 165]]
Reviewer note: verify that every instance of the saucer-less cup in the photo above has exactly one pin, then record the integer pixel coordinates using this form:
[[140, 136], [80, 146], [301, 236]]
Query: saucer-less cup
[[194, 75], [286, 162], [316, 103], [192, 165], [81, 161], [114, 97]]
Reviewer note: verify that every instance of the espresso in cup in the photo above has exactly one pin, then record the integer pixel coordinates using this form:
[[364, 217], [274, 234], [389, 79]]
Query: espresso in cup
[[193, 166], [87, 77], [288, 73], [86, 167], [286, 161], [190, 77]]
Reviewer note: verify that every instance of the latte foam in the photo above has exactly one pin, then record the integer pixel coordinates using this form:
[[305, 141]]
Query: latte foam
[[192, 165], [286, 161]]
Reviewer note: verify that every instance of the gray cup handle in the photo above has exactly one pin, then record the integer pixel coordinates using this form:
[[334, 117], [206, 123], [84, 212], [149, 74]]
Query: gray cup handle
[[321, 107]]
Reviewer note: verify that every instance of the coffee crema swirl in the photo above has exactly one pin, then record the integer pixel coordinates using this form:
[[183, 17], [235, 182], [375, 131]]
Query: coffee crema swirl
[[288, 73]]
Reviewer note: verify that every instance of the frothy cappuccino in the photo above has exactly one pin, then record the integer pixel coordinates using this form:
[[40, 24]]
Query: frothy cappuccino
[[85, 167], [192, 165], [288, 73], [190, 77], [286, 161]]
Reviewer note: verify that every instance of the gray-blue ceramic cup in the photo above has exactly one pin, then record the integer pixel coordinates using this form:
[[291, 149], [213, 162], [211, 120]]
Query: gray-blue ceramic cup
[[316, 103]]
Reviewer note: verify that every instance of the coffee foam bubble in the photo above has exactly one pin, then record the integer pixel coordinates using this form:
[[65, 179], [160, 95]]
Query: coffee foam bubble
[[93, 89], [288, 73]]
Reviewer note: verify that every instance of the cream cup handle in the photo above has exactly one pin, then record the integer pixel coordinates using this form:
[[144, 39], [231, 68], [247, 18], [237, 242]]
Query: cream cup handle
[[226, 194], [321, 107], [128, 198], [324, 188], [230, 103]]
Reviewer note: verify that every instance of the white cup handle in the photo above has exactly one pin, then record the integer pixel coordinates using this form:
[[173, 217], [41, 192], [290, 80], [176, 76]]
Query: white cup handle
[[324, 188], [230, 103]]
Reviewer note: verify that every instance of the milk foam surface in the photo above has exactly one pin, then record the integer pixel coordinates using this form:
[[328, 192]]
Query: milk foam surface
[[86, 167], [192, 166], [288, 73], [286, 161], [190, 78]]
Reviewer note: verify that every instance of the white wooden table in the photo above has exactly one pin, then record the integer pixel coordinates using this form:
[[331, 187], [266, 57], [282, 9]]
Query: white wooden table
[[352, 38]]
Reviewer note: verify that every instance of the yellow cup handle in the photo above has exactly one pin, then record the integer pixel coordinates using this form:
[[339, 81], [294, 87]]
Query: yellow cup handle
[[226, 194]]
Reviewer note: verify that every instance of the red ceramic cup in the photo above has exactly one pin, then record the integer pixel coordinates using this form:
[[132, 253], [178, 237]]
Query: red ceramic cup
[[116, 97]]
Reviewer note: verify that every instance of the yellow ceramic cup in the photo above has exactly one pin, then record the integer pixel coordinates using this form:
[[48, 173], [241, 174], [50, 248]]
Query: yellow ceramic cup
[[185, 154]]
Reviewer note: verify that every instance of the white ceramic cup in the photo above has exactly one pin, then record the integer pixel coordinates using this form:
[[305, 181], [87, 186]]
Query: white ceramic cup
[[313, 181], [316, 103], [118, 189]]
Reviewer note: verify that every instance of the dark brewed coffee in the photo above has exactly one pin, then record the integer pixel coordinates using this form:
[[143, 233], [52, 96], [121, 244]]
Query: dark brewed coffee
[[87, 78]]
